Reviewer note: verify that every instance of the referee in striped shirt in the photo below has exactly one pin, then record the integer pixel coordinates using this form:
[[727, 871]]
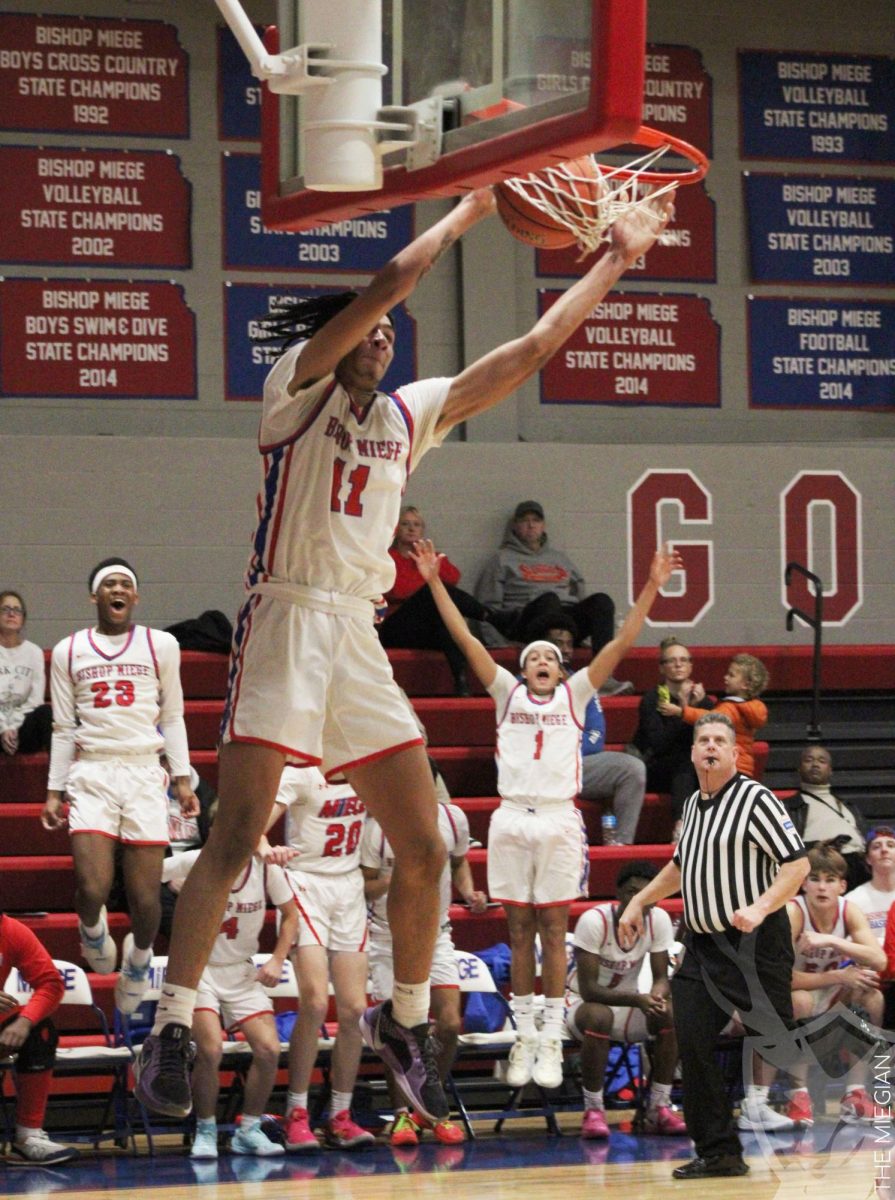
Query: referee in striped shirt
[[738, 861]]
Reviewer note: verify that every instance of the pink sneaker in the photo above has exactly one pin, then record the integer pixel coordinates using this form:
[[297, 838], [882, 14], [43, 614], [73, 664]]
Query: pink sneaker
[[594, 1124], [664, 1121], [799, 1108], [344, 1134], [856, 1107], [299, 1135]]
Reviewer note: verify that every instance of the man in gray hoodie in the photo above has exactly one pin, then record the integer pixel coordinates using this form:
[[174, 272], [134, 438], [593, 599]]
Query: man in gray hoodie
[[528, 583]]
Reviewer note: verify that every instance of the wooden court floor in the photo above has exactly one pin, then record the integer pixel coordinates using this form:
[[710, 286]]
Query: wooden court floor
[[828, 1162]]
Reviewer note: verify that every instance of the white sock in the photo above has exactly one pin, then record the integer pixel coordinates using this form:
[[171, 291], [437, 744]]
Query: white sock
[[206, 1125], [296, 1100], [24, 1131], [248, 1122], [341, 1102], [140, 958], [176, 1006], [410, 1003], [659, 1095], [524, 1012], [756, 1094], [796, 1091], [593, 1099], [554, 1016], [94, 931]]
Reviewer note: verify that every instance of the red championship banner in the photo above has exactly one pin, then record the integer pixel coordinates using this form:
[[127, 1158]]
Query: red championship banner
[[685, 249], [62, 337], [105, 208], [62, 74], [636, 348]]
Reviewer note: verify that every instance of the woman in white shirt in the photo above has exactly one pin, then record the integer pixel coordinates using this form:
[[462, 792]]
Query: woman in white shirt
[[25, 721]]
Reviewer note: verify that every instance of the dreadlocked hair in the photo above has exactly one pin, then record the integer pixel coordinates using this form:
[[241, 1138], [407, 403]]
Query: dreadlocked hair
[[298, 320]]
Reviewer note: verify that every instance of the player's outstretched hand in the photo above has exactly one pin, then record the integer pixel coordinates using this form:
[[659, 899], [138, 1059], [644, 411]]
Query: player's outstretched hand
[[53, 815], [427, 561], [665, 562], [635, 232]]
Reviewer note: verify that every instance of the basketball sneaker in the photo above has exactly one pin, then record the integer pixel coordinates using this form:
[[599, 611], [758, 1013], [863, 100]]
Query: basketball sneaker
[[409, 1054], [448, 1133], [299, 1135], [664, 1121], [100, 953], [131, 986], [38, 1150], [856, 1106], [405, 1131], [162, 1071], [594, 1124], [799, 1108], [341, 1133], [521, 1061], [205, 1143], [759, 1115], [253, 1140], [547, 1071]]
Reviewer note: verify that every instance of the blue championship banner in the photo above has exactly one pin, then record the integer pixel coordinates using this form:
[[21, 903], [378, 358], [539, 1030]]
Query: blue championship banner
[[247, 363], [239, 92], [825, 107], [820, 229], [821, 354], [363, 243]]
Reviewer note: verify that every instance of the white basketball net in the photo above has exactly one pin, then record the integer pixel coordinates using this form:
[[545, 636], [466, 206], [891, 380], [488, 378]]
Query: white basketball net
[[591, 219]]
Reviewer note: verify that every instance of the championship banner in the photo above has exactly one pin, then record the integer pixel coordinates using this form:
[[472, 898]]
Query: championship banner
[[637, 349], [827, 107], [356, 244], [62, 74], [810, 229], [821, 354], [239, 92], [63, 337], [247, 364], [685, 250], [107, 208]]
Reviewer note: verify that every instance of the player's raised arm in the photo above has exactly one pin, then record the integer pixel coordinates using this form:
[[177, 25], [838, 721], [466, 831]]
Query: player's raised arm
[[489, 380], [393, 283], [423, 554]]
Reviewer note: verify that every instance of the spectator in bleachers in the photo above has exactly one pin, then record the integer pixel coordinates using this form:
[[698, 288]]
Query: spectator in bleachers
[[231, 996], [412, 620], [606, 775], [665, 741], [876, 896], [537, 849], [605, 1003], [837, 960], [26, 723], [820, 816], [744, 681], [324, 824], [528, 583], [117, 704], [377, 860], [28, 1032]]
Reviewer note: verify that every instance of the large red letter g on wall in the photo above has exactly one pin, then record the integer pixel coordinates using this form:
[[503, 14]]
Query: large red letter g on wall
[[675, 498]]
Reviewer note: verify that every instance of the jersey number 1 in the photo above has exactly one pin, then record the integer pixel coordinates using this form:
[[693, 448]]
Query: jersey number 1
[[357, 481]]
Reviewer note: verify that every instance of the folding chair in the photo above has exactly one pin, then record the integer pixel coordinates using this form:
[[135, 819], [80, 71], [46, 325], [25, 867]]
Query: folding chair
[[92, 1054]]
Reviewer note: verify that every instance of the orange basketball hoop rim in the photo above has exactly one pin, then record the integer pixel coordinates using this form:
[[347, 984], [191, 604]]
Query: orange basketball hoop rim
[[657, 140]]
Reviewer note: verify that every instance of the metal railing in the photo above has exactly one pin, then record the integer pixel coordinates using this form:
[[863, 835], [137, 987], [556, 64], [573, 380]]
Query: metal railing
[[816, 622]]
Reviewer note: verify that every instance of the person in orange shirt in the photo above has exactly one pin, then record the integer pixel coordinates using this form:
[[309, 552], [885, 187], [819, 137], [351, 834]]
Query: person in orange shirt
[[27, 1032], [744, 681]]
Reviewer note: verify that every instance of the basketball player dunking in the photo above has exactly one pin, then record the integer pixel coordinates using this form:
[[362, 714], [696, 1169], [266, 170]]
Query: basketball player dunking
[[309, 682]]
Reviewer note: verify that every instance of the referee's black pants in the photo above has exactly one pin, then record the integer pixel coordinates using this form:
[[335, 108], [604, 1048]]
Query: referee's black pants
[[750, 974]]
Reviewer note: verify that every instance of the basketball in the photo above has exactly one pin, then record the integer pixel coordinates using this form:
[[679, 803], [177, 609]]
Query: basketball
[[571, 187]]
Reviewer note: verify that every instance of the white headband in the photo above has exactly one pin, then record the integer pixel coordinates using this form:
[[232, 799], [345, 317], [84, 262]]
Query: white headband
[[113, 569], [541, 643]]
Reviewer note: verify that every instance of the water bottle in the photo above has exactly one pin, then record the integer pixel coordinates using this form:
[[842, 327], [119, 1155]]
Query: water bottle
[[610, 829]]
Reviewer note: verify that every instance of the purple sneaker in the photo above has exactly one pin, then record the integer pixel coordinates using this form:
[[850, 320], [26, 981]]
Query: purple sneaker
[[162, 1072], [408, 1053]]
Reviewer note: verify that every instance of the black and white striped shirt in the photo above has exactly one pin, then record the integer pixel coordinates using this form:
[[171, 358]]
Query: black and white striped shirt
[[730, 849]]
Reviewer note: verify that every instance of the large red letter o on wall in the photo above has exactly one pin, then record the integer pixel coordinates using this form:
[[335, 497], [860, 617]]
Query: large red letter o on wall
[[827, 495], [691, 593]]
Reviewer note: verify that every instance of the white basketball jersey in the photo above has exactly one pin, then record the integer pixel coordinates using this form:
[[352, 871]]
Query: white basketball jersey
[[323, 820], [377, 854], [821, 958], [333, 480], [117, 695], [246, 907], [539, 738], [595, 933]]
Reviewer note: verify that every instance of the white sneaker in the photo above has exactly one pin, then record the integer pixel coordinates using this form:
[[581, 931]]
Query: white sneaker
[[521, 1061], [255, 1141], [760, 1115], [100, 952], [131, 986], [37, 1148], [205, 1143], [547, 1071]]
